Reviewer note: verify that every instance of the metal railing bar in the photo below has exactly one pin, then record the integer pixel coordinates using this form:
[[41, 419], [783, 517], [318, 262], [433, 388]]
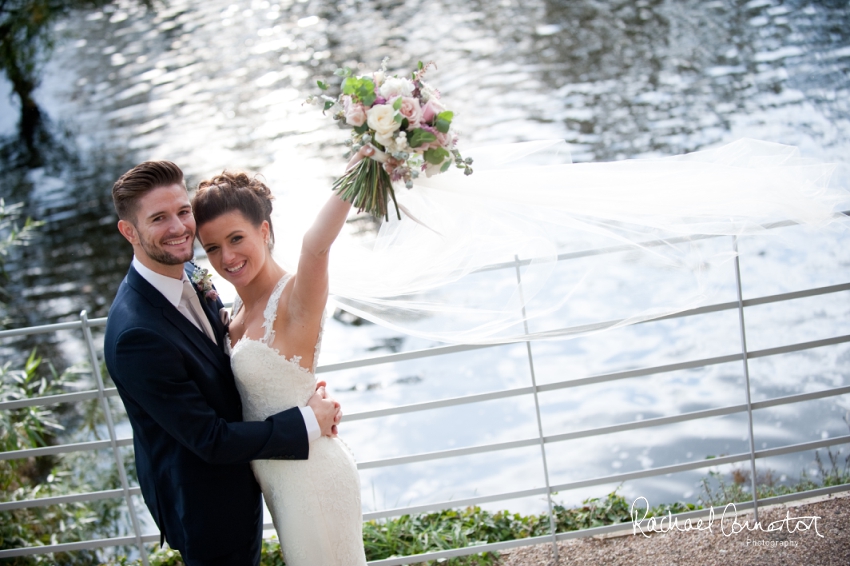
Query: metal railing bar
[[801, 397], [651, 472], [647, 423], [693, 364], [42, 329], [450, 402], [464, 551], [617, 478], [777, 499], [647, 244], [55, 399], [599, 431], [796, 295], [603, 251], [403, 409], [453, 453], [113, 437], [746, 366], [801, 447], [63, 448], [540, 437], [800, 346], [767, 299], [46, 328], [403, 356], [63, 499], [457, 503], [74, 546], [704, 362]]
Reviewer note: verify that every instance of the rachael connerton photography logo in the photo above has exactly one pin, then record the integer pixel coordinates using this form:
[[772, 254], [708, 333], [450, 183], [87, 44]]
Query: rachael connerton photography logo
[[729, 524]]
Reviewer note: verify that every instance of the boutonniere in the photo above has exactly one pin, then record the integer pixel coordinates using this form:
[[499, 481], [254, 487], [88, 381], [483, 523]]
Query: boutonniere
[[202, 279]]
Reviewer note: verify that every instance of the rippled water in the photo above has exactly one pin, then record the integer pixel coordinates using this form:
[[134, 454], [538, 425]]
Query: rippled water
[[219, 84]]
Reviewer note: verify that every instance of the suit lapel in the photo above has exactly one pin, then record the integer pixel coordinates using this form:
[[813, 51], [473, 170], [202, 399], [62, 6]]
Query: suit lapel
[[211, 309], [171, 314]]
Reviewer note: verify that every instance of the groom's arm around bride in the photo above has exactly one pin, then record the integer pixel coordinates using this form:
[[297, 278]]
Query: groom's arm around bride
[[170, 367]]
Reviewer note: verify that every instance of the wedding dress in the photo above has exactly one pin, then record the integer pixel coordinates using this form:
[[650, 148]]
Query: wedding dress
[[315, 503]]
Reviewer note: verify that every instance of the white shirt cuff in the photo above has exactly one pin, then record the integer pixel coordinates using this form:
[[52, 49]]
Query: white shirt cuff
[[314, 431]]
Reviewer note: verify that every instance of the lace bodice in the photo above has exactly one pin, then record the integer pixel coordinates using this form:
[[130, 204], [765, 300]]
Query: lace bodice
[[269, 382]]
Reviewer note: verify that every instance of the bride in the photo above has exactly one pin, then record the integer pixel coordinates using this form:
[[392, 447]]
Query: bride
[[274, 340]]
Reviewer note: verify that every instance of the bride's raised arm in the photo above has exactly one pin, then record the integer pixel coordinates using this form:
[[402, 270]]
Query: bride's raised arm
[[310, 293]]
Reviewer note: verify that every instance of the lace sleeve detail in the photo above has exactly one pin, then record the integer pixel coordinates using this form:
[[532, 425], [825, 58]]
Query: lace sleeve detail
[[270, 314]]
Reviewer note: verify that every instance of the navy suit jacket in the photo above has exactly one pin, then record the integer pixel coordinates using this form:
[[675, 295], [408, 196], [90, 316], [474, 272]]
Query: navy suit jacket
[[192, 448]]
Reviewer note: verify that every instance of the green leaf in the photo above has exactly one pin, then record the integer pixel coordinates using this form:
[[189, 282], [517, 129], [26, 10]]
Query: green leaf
[[444, 121], [436, 155], [322, 85], [361, 89], [397, 103], [419, 137], [421, 65], [328, 105], [362, 129], [398, 117], [445, 167]]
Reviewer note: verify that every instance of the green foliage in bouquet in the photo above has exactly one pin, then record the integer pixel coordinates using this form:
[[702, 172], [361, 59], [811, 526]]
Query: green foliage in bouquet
[[404, 120]]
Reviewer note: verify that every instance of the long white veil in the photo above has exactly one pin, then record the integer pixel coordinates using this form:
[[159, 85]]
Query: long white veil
[[533, 246]]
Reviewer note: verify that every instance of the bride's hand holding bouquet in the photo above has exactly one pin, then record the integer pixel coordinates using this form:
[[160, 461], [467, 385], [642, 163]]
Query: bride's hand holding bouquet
[[407, 125]]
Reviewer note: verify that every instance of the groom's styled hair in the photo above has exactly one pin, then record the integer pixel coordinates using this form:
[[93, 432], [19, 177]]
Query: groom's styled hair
[[140, 180]]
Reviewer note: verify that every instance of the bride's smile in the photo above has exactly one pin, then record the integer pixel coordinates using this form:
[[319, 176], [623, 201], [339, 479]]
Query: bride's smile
[[236, 248]]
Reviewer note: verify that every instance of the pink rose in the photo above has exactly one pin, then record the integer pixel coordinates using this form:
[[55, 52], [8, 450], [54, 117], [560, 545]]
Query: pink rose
[[410, 109], [432, 108], [355, 115]]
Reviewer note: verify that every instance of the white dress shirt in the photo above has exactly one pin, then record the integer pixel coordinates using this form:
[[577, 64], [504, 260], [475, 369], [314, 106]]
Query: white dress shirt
[[172, 290]]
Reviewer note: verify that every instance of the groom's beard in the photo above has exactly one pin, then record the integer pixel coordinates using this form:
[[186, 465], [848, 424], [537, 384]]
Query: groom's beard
[[156, 253]]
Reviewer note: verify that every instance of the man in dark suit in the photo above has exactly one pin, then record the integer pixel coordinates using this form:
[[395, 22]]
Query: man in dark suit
[[164, 349]]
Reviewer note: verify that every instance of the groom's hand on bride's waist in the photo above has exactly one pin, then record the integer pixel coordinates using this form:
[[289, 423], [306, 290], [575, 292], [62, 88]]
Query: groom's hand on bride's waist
[[328, 412]]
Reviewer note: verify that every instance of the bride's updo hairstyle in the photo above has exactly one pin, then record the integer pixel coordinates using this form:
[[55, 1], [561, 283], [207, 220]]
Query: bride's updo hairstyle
[[234, 190]]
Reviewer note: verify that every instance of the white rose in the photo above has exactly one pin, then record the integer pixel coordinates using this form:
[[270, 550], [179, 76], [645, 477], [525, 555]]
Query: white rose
[[431, 170], [386, 140], [427, 92], [381, 118], [395, 86]]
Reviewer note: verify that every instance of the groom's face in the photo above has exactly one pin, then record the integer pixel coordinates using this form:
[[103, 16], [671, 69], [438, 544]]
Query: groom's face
[[164, 227]]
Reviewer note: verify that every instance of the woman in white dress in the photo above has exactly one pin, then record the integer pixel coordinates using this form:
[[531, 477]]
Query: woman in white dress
[[274, 339]]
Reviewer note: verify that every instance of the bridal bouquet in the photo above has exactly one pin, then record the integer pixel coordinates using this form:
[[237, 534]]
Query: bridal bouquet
[[407, 125]]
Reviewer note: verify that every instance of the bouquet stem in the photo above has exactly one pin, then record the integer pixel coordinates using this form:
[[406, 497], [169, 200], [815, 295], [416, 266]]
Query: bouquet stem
[[367, 186]]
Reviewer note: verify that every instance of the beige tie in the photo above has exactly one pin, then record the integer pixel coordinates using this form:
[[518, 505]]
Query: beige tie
[[191, 308]]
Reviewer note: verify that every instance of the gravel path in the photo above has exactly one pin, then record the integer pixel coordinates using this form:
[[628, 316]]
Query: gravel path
[[713, 548]]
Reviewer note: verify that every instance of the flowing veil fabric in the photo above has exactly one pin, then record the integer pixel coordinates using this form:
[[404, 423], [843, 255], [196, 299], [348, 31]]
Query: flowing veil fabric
[[533, 246]]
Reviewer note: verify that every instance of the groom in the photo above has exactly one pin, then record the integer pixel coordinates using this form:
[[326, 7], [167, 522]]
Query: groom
[[164, 349]]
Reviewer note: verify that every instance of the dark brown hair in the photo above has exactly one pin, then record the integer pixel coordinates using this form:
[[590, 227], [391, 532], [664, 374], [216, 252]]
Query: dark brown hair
[[140, 180], [234, 190]]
